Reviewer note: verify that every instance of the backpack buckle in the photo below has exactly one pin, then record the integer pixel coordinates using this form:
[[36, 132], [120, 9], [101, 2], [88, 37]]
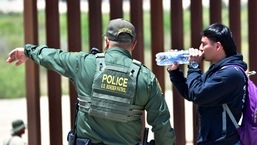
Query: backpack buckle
[[250, 73]]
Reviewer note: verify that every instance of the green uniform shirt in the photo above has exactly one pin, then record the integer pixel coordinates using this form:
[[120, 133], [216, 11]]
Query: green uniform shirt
[[80, 68]]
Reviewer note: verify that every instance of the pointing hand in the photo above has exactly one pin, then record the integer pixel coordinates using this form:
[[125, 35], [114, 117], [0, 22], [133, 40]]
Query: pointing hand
[[17, 55]]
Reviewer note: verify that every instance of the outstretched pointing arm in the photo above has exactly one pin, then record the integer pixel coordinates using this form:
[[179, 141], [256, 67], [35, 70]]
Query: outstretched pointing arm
[[18, 55]]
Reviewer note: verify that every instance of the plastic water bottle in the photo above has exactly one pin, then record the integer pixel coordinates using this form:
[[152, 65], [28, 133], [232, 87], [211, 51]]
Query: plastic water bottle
[[171, 57]]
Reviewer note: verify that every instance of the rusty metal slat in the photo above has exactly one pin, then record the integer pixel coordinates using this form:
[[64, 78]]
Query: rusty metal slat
[[177, 43], [32, 75], [116, 9], [196, 22], [74, 45], [252, 29], [33, 103], [235, 21], [177, 40], [54, 79], [136, 17], [74, 26], [196, 28], [52, 23], [215, 11], [157, 39], [95, 24], [55, 108]]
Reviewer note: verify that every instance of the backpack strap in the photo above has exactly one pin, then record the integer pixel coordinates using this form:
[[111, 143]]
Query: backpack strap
[[226, 108]]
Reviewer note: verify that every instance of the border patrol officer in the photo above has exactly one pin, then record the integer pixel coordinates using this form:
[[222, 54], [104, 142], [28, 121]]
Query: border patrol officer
[[113, 89]]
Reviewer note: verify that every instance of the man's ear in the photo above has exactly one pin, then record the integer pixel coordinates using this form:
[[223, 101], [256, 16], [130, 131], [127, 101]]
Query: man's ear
[[107, 41], [218, 45], [220, 48], [134, 45]]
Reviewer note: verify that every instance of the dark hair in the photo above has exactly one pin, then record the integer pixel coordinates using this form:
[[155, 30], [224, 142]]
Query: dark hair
[[221, 33]]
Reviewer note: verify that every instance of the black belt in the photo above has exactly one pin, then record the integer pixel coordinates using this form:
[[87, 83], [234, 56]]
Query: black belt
[[80, 141], [97, 144]]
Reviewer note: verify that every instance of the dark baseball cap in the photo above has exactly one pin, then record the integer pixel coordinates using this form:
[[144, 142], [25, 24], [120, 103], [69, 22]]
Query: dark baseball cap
[[120, 30]]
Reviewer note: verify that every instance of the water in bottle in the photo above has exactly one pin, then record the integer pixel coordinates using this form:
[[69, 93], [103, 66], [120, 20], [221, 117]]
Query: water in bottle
[[171, 57]]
